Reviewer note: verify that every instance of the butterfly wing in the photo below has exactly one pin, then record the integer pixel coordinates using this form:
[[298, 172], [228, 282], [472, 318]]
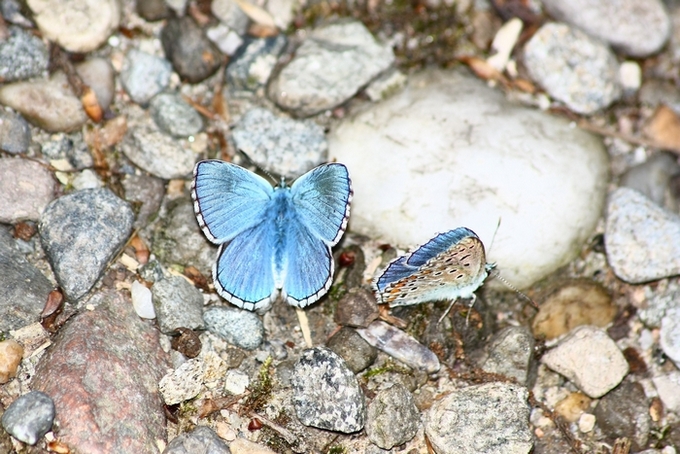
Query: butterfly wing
[[228, 199], [320, 203], [438, 245], [321, 200], [243, 273]]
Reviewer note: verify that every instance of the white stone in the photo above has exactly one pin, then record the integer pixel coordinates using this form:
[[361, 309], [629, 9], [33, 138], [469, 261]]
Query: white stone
[[630, 76], [590, 359], [236, 382], [183, 383], [448, 151], [586, 423], [141, 300], [642, 240], [668, 387], [669, 335]]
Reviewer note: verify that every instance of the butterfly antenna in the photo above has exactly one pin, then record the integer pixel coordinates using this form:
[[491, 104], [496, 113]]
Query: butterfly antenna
[[260, 168], [493, 238], [497, 275]]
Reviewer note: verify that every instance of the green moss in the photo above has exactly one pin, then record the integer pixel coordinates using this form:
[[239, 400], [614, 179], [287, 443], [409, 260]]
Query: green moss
[[262, 389]]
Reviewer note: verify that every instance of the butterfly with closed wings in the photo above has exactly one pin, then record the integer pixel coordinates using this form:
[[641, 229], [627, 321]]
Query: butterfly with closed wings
[[274, 241]]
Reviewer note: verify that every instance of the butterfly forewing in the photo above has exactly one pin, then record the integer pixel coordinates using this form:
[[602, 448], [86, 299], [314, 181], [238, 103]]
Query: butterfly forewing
[[321, 198], [228, 199]]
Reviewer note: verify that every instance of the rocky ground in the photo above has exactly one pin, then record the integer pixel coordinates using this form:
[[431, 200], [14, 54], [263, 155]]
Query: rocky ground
[[550, 129]]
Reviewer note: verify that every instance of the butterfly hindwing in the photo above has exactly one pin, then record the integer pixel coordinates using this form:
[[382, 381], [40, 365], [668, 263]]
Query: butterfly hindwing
[[228, 199], [321, 199]]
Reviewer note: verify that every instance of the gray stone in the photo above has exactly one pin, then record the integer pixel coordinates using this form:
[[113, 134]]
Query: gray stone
[[326, 394], [634, 28], [15, 135], [511, 353], [70, 147], [146, 191], [401, 346], [668, 387], [183, 383], [251, 66], [98, 74], [193, 56], [642, 240], [144, 75], [178, 304], [330, 66], [22, 55], [154, 151], [669, 334], [452, 152], [574, 68], [200, 440], [91, 220], [26, 187], [393, 418], [48, 104], [229, 14], [624, 412], [357, 353], [282, 145], [590, 359], [357, 308], [175, 116], [483, 419], [652, 179], [29, 417], [153, 10], [237, 326], [25, 288]]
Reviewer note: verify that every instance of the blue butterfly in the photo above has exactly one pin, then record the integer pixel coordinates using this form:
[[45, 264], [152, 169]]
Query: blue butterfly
[[273, 241], [451, 265]]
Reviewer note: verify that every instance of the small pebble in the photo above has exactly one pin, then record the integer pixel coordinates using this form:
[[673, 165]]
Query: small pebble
[[141, 300], [642, 240], [48, 104], [574, 68], [668, 387], [571, 408], [98, 74], [634, 28], [237, 326], [243, 446], [586, 422], [144, 75], [326, 394], [236, 382], [29, 417], [146, 192], [87, 179], [571, 303], [153, 10], [653, 177], [281, 145], [669, 335], [357, 308], [200, 440], [193, 56], [15, 135], [590, 359], [356, 352], [624, 412], [386, 85], [630, 78], [11, 353], [70, 226], [392, 417], [511, 354], [76, 25], [183, 383], [330, 66], [22, 56], [175, 116], [226, 39], [401, 346], [177, 304], [26, 187], [481, 419], [231, 15], [252, 65]]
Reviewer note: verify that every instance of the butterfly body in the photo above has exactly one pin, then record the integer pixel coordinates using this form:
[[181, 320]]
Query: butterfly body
[[451, 265], [274, 241]]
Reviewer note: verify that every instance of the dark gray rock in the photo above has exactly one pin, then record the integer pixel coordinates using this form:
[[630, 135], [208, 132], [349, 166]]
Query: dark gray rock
[[357, 353], [147, 192], [193, 56], [24, 287], [178, 304], [29, 417], [357, 308], [250, 68], [22, 56], [326, 394], [482, 419], [281, 145], [81, 232], [15, 135], [393, 418], [144, 75], [624, 412], [237, 326], [175, 116], [653, 177], [200, 440]]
